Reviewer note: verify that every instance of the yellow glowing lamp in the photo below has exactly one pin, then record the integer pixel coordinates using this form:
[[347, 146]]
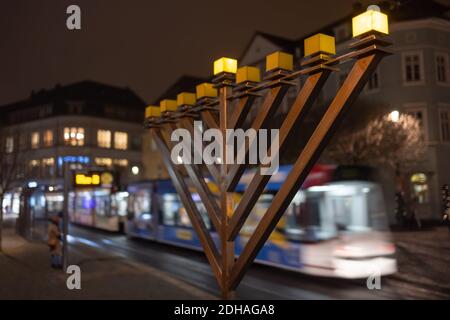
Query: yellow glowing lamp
[[152, 111], [186, 99], [206, 90], [320, 43], [168, 105], [279, 60], [371, 20], [225, 65], [247, 73]]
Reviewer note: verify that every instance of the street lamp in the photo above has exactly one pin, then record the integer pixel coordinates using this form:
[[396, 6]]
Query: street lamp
[[394, 116], [135, 170]]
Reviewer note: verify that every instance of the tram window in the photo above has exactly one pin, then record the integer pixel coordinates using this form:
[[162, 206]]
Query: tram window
[[102, 203], [183, 218], [170, 208], [377, 211]]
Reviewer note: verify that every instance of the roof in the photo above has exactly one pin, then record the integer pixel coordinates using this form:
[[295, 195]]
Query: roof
[[400, 10], [183, 83], [84, 90]]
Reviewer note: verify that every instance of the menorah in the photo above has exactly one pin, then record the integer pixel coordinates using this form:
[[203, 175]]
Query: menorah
[[225, 104]]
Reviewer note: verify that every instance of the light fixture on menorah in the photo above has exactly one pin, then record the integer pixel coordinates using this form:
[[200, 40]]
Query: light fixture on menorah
[[225, 105]]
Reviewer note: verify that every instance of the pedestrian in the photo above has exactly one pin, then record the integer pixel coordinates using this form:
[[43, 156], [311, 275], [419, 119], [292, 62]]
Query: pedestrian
[[54, 242]]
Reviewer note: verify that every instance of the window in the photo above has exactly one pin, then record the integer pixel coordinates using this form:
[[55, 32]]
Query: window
[[74, 136], [48, 165], [104, 138], [413, 68], [34, 140], [418, 111], [35, 168], [444, 119], [121, 162], [48, 138], [120, 140], [373, 83], [107, 162], [442, 67], [9, 144]]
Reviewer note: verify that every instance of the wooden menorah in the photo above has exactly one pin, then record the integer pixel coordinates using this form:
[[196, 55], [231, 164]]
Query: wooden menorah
[[225, 104]]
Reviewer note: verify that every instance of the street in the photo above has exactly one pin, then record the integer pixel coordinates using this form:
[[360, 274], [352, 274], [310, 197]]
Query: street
[[414, 281], [114, 267]]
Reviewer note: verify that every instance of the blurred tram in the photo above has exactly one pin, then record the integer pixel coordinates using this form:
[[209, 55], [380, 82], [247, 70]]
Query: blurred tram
[[336, 225]]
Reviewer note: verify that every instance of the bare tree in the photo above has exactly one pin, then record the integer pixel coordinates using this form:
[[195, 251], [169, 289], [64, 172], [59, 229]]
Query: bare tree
[[385, 141], [8, 173]]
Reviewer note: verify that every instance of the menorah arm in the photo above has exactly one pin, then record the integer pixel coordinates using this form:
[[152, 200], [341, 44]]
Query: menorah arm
[[353, 84], [182, 189], [272, 101], [199, 183], [241, 111], [212, 168], [296, 115]]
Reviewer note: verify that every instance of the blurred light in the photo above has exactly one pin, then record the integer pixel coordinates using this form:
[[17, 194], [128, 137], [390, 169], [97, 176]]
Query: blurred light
[[371, 20], [227, 65], [135, 170], [32, 184], [394, 116], [51, 188]]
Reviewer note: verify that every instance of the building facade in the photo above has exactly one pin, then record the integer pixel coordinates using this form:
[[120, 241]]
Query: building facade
[[86, 124], [414, 80]]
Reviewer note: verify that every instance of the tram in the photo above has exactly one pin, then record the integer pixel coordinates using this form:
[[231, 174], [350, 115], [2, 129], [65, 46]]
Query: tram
[[336, 225]]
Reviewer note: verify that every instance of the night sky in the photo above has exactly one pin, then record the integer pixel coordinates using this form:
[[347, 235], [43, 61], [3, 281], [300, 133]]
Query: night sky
[[145, 45]]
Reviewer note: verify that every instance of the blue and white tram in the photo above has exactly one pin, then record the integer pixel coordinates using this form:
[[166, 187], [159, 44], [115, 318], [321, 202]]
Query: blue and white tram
[[335, 226]]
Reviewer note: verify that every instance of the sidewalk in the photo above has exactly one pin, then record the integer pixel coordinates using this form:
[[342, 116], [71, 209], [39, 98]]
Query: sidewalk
[[424, 263], [25, 274]]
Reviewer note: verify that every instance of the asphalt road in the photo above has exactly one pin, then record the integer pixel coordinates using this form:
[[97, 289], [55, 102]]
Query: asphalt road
[[261, 282]]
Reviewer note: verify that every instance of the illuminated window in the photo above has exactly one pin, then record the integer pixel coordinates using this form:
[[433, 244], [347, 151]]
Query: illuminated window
[[74, 136], [48, 165], [120, 140], [9, 144], [48, 161], [419, 184], [34, 168], [103, 162], [104, 138], [34, 140], [48, 138], [35, 163], [121, 162]]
